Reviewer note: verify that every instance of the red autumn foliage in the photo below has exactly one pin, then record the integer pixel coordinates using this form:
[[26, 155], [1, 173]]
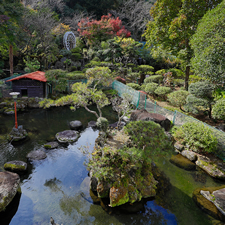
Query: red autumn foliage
[[100, 30]]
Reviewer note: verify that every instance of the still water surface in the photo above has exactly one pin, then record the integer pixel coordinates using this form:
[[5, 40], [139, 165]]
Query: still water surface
[[54, 185]]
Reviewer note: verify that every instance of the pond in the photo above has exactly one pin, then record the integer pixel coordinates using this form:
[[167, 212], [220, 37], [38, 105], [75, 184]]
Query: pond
[[53, 187]]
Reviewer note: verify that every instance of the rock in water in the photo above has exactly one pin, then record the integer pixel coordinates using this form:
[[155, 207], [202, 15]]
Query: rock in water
[[67, 136], [182, 162], [16, 166], [17, 135], [9, 184], [75, 125], [51, 145], [36, 155]]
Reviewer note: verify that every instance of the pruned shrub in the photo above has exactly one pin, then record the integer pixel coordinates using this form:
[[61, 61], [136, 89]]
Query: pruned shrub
[[154, 79], [148, 136], [162, 91], [133, 76], [76, 75], [134, 86], [178, 82], [196, 137], [151, 87], [160, 72], [176, 72], [218, 111], [102, 123], [178, 98]]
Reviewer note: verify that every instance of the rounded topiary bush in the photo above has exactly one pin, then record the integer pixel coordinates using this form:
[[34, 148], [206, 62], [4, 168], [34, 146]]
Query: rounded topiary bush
[[134, 86], [102, 123], [151, 87], [148, 136], [178, 98], [196, 136], [155, 79], [218, 110], [162, 91]]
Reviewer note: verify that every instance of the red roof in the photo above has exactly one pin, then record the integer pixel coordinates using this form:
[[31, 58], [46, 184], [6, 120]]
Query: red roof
[[37, 75]]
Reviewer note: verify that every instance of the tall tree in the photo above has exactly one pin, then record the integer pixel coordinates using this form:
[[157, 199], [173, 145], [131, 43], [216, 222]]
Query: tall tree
[[11, 12], [208, 44], [174, 23]]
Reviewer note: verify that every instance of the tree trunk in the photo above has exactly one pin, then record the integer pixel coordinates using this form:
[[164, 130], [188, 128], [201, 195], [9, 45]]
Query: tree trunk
[[187, 73], [11, 59]]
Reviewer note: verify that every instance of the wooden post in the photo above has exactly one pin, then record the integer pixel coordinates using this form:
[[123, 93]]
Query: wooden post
[[11, 59], [16, 124]]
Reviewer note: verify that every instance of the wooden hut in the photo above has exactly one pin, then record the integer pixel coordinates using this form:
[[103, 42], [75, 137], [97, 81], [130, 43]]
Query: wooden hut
[[31, 85]]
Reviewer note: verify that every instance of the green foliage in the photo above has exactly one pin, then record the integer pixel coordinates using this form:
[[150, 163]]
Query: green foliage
[[197, 137], [76, 75], [178, 98], [111, 92], [160, 72], [147, 136], [151, 87], [218, 110], [106, 162], [32, 65], [200, 98], [65, 53], [134, 86], [208, 45], [154, 79], [99, 75], [162, 91], [173, 24], [219, 93], [178, 82], [145, 69], [102, 123], [133, 76], [58, 79], [202, 89], [195, 78], [177, 73]]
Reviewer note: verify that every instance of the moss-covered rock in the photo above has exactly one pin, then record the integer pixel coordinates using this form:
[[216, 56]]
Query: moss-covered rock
[[210, 167], [51, 145], [118, 195], [67, 136], [207, 205], [182, 162], [16, 166]]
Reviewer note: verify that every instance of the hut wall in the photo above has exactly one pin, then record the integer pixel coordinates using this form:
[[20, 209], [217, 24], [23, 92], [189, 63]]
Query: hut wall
[[31, 88]]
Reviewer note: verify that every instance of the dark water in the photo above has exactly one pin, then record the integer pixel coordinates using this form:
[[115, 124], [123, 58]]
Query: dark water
[[54, 185]]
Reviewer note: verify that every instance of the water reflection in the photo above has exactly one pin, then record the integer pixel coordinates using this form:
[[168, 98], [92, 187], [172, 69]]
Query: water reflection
[[53, 186]]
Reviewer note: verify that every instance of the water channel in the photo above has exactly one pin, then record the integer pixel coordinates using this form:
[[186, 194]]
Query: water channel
[[53, 186]]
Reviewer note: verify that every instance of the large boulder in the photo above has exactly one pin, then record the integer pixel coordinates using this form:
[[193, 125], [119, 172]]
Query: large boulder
[[36, 155], [182, 162], [205, 198], [9, 184], [75, 125], [210, 167], [16, 166], [67, 136], [144, 115]]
